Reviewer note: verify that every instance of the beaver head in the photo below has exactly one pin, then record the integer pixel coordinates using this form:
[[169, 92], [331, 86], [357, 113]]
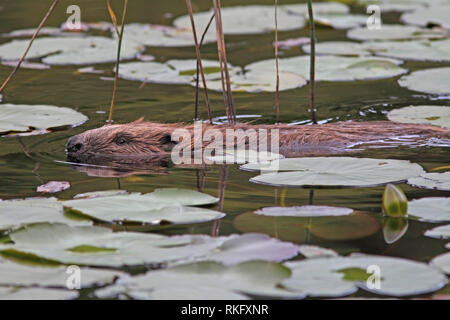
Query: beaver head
[[120, 143]]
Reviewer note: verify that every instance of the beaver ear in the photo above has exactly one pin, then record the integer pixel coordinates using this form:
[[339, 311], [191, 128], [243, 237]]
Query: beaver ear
[[140, 120]]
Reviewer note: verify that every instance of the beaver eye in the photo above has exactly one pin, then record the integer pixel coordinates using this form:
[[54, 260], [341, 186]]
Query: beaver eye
[[120, 140]]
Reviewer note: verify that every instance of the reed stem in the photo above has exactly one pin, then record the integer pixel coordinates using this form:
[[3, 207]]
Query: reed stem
[[116, 75], [277, 88], [312, 65], [199, 62], [35, 34]]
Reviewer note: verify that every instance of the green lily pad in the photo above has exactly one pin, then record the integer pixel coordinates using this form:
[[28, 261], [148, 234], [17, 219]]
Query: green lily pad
[[330, 7], [244, 20], [298, 229], [70, 50], [22, 118], [36, 294], [243, 156], [335, 172], [243, 279], [96, 194], [341, 276], [162, 205], [333, 68], [345, 48], [309, 251], [420, 50], [394, 32], [17, 213], [437, 81], [102, 247], [397, 5], [438, 181], [15, 274], [340, 21], [434, 15], [431, 209], [442, 232], [435, 115], [304, 211], [442, 262]]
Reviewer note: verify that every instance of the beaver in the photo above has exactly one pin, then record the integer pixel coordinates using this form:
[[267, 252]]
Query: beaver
[[148, 142]]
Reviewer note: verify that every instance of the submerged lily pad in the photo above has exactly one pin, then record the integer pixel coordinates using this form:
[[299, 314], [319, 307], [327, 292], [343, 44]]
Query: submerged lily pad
[[434, 15], [70, 50], [438, 181], [163, 205], [333, 68], [97, 246], [435, 115], [17, 213], [433, 81], [442, 232], [304, 211], [15, 274], [394, 32], [335, 172], [193, 280], [22, 118], [8, 293], [244, 20], [442, 262], [341, 276]]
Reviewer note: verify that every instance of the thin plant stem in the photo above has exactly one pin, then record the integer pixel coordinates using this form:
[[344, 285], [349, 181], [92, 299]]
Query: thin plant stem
[[116, 75], [199, 60], [277, 88], [198, 68], [312, 66], [35, 34]]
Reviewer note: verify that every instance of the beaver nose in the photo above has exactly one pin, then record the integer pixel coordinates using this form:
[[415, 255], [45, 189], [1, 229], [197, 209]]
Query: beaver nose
[[74, 144]]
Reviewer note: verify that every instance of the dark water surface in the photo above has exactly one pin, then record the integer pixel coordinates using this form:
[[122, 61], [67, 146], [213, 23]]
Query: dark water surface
[[27, 162]]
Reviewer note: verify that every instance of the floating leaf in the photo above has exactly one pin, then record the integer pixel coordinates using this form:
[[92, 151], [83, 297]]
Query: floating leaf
[[394, 203], [333, 68], [309, 251], [420, 50], [341, 276], [20, 118], [402, 5], [304, 211], [163, 205], [17, 213], [437, 81], [435, 115], [36, 294], [243, 156], [56, 242], [53, 187], [438, 181], [335, 172], [442, 262], [198, 278], [431, 209], [434, 15], [70, 50], [340, 21], [442, 232], [394, 32]]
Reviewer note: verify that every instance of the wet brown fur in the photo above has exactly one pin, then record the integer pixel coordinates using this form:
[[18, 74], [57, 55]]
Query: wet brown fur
[[147, 140]]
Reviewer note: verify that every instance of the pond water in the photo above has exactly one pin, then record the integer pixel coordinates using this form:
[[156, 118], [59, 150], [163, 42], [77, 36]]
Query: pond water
[[29, 161]]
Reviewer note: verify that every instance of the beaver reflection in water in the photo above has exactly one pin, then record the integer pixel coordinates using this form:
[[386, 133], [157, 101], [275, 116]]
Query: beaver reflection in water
[[143, 142]]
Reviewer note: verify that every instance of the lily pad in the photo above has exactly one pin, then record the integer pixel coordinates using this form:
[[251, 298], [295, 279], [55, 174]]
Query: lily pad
[[97, 246], [333, 68], [434, 15], [243, 156], [304, 211], [15, 274], [244, 20], [420, 50], [442, 232], [318, 8], [163, 205], [309, 251], [70, 50], [432, 209], [36, 294], [340, 21], [394, 32], [438, 181], [396, 5], [442, 262], [341, 276], [335, 172], [20, 118], [17, 213], [434, 115], [437, 80], [244, 278]]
